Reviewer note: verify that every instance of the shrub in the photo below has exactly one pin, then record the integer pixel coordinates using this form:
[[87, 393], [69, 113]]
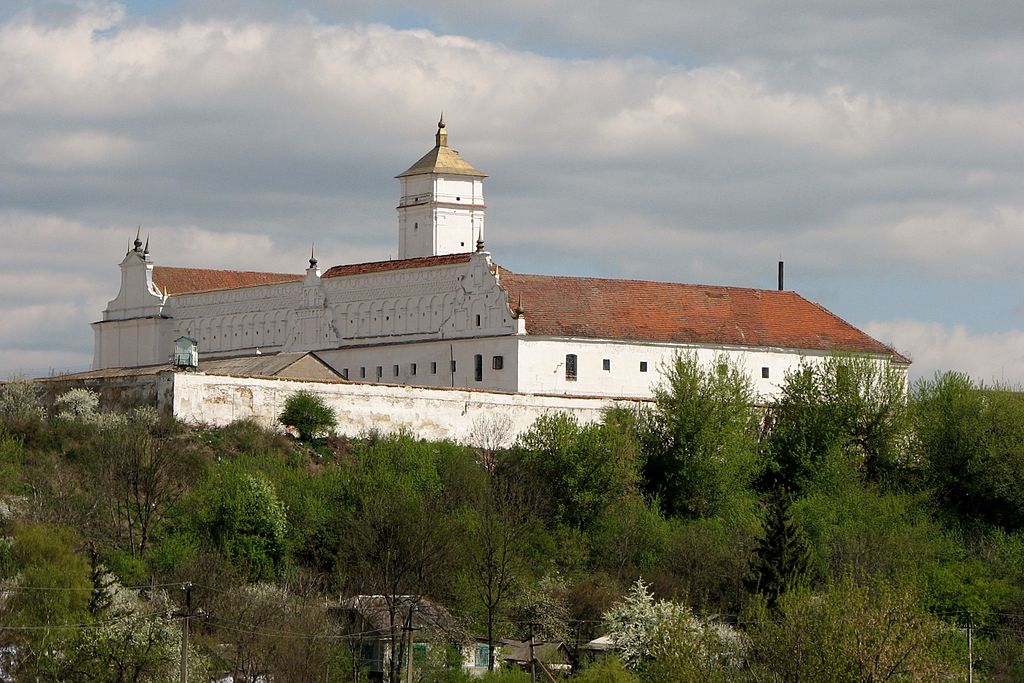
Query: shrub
[[21, 406], [308, 415]]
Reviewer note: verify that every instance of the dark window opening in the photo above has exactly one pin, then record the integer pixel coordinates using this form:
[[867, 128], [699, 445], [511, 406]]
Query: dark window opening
[[478, 368], [478, 320], [412, 368], [380, 371], [498, 362], [643, 366], [394, 370], [344, 373], [570, 367], [453, 366], [606, 364], [764, 373], [362, 373], [433, 368]]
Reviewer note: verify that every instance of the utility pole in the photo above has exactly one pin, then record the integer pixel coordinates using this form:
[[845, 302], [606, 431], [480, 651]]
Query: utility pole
[[533, 659], [184, 631], [970, 651]]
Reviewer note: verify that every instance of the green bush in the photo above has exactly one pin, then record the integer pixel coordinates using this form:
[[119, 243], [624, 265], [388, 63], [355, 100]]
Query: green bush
[[308, 415]]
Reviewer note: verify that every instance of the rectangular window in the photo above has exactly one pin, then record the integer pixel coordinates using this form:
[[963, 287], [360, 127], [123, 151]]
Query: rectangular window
[[412, 369], [606, 364], [433, 368], [453, 366], [478, 368], [764, 373], [482, 656], [380, 372], [643, 366], [570, 367], [344, 373], [394, 370], [362, 373], [478, 320], [498, 362]]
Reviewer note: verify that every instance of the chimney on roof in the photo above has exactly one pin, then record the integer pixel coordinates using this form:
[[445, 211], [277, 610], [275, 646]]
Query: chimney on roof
[[780, 276]]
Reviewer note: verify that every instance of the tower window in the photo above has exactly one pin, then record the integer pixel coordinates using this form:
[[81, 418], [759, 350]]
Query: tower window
[[478, 320], [380, 372], [570, 367], [394, 370], [453, 366], [643, 366], [362, 373], [478, 368], [498, 362], [412, 368], [606, 364], [415, 226], [433, 368], [764, 373]]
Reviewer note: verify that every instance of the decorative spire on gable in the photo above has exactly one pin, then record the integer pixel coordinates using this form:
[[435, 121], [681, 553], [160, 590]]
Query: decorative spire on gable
[[138, 239], [312, 255]]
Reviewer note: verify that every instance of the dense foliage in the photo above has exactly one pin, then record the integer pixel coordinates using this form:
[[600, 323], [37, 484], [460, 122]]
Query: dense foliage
[[848, 531]]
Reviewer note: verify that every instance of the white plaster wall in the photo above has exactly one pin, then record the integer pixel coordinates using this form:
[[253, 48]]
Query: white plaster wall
[[541, 363], [459, 415], [423, 354], [131, 343]]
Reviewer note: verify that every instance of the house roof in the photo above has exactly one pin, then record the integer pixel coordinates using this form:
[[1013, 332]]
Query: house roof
[[639, 310], [427, 615], [442, 159], [194, 280], [400, 264]]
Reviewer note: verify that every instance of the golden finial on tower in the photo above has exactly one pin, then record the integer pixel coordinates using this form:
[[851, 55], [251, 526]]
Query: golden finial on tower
[[442, 134]]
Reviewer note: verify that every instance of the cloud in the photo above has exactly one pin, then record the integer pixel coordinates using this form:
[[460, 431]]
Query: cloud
[[692, 145], [991, 358]]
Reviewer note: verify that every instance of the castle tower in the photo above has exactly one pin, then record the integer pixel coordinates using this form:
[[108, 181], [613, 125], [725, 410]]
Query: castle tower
[[442, 206]]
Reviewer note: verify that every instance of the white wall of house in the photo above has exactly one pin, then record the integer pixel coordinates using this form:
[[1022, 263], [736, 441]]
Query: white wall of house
[[542, 365]]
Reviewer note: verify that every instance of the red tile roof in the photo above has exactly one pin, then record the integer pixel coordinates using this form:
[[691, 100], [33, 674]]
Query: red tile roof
[[194, 280], [639, 310], [401, 264]]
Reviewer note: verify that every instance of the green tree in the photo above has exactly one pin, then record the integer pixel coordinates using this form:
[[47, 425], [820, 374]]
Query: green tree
[[700, 441], [239, 514], [309, 414], [782, 558], [870, 631], [833, 413], [971, 441], [580, 468]]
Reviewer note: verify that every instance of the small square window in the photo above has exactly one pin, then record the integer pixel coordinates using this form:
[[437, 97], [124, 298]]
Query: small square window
[[394, 370], [764, 373], [498, 362], [433, 368], [643, 366], [412, 368], [606, 364]]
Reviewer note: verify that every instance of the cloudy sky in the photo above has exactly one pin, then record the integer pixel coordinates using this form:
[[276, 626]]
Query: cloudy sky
[[876, 147]]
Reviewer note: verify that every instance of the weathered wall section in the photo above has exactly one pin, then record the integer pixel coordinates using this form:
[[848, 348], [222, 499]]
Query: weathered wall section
[[457, 414]]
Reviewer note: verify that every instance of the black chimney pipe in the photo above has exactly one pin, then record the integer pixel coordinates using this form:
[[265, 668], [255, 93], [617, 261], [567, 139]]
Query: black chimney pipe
[[780, 276]]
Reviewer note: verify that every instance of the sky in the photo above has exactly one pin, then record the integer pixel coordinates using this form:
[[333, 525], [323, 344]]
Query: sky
[[876, 147]]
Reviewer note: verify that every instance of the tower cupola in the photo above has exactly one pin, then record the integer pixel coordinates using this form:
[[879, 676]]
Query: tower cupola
[[441, 210]]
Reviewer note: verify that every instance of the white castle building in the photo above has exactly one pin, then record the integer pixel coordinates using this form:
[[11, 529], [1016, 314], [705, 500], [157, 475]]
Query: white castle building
[[444, 314]]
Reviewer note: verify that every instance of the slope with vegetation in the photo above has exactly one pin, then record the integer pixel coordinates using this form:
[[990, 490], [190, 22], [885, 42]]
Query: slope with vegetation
[[848, 532]]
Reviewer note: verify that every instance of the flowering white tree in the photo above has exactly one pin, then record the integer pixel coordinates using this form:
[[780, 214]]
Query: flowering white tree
[[634, 623]]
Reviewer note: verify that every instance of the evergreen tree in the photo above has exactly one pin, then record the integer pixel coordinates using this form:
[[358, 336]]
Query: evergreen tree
[[782, 559]]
